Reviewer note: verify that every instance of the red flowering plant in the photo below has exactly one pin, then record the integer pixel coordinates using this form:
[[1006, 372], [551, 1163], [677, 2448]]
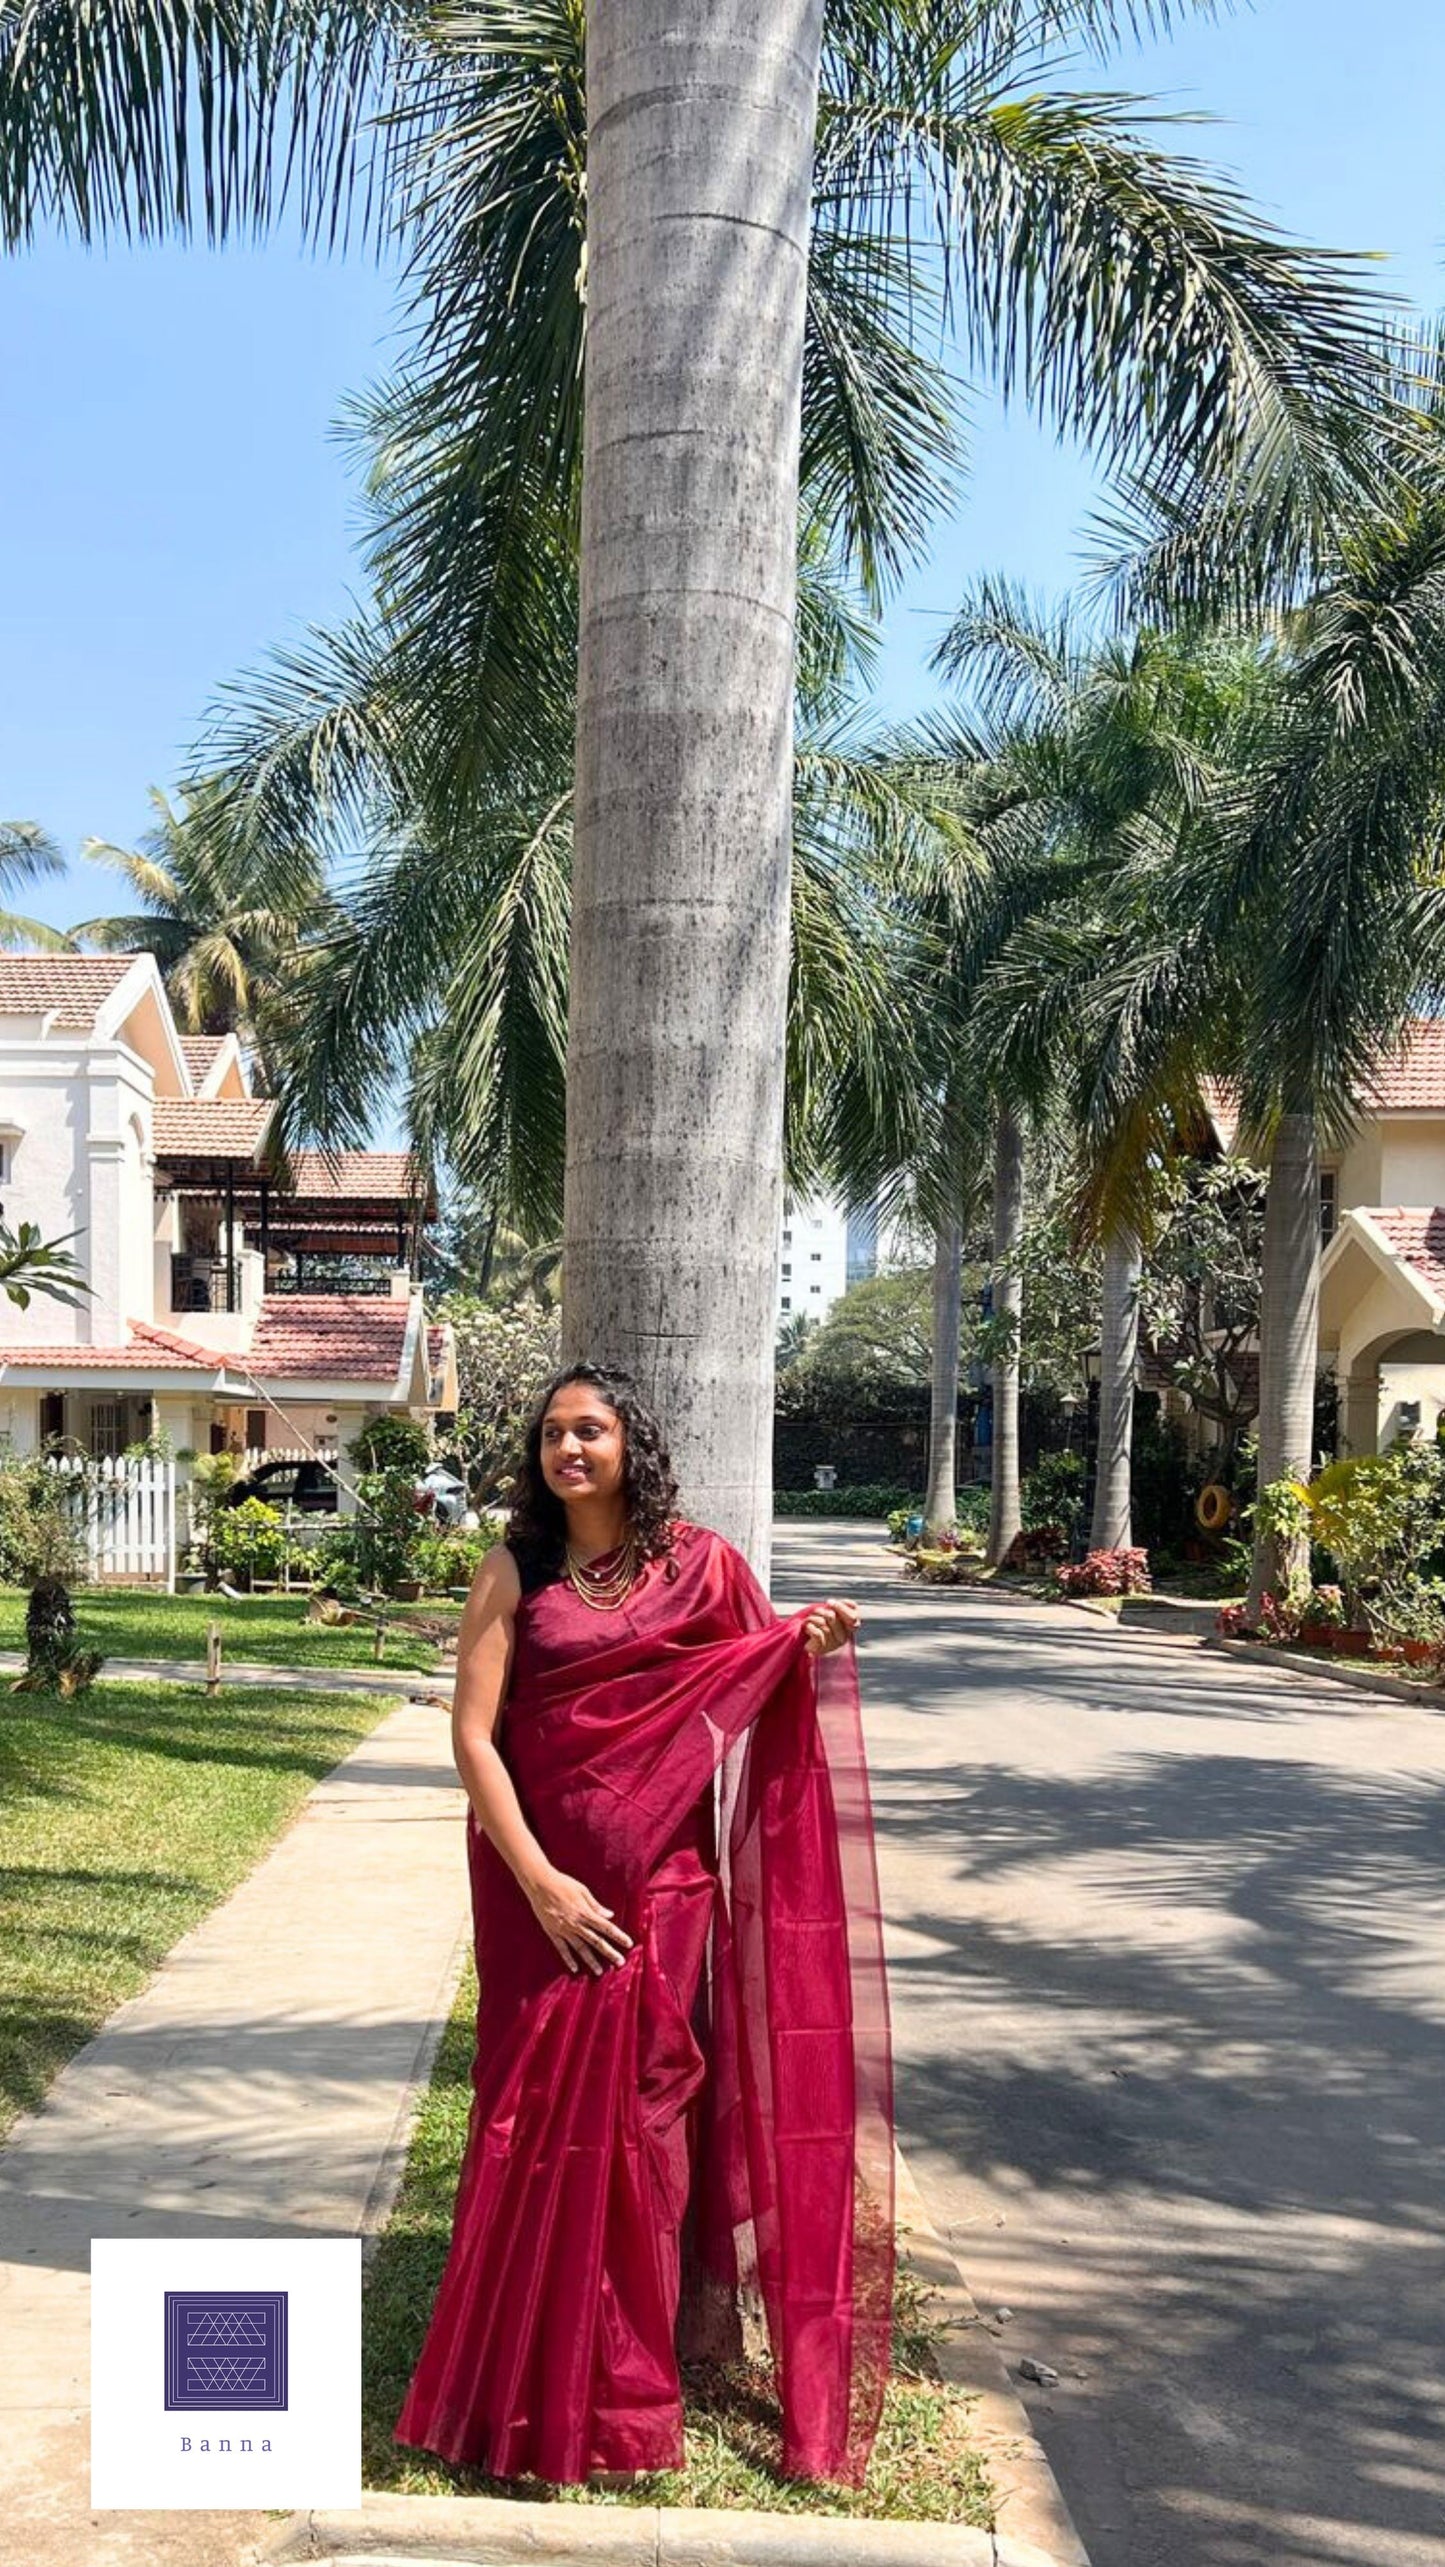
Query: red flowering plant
[[1277, 1621], [1123, 1572]]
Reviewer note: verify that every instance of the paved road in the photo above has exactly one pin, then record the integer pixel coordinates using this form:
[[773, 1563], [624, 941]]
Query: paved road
[[1167, 1950]]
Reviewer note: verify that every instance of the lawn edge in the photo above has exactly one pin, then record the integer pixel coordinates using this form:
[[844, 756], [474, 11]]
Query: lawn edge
[[504, 2532]]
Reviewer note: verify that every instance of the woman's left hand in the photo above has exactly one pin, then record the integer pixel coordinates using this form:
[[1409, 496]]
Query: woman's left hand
[[829, 1624]]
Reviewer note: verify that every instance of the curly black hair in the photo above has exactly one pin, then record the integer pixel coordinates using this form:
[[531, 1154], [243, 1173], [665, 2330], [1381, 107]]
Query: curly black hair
[[536, 1517]]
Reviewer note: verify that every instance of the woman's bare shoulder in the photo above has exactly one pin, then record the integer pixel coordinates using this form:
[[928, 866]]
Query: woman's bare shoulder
[[498, 1582]]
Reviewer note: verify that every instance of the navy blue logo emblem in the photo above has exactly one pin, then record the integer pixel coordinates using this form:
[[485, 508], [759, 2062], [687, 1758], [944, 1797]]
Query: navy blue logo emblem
[[225, 2349]]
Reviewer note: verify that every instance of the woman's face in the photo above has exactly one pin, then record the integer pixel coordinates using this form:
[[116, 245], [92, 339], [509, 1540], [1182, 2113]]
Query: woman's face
[[583, 1443]]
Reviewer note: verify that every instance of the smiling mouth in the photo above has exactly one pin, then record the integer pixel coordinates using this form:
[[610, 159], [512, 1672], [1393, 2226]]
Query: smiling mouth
[[573, 1471]]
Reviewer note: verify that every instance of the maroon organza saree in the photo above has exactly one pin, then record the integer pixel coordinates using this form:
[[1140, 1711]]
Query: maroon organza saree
[[712, 2118]]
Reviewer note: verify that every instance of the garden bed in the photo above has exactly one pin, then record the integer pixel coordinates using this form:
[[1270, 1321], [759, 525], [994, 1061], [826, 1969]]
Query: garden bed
[[125, 1815], [925, 2468]]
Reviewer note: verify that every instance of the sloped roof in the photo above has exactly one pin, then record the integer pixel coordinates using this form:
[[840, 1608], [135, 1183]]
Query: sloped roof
[[149, 1350], [212, 1127], [1418, 1237], [201, 1053], [329, 1337], [357, 1175], [74, 986], [1413, 1075]]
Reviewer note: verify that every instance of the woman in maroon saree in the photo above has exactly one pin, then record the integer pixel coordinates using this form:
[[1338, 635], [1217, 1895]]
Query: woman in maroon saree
[[682, 2087]]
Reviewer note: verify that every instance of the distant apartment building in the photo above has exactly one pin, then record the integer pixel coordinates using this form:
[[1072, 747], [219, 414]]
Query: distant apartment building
[[824, 1251]]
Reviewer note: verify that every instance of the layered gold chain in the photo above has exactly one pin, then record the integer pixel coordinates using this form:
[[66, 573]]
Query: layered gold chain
[[604, 1590]]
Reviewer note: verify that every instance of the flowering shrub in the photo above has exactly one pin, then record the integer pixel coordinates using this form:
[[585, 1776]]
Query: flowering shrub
[[1278, 1621], [1107, 1573], [1036, 1544], [1324, 1604]]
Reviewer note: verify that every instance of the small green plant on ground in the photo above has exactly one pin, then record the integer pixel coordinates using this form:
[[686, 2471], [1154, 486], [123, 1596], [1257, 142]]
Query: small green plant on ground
[[123, 1818], [271, 1630], [924, 2466], [451, 1559], [248, 1542]]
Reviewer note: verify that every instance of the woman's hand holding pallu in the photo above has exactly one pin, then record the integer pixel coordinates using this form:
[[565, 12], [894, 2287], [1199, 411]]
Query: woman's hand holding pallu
[[830, 1624]]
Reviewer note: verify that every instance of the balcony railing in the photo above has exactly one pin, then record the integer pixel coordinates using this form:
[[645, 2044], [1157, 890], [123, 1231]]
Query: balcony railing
[[199, 1283], [329, 1280]]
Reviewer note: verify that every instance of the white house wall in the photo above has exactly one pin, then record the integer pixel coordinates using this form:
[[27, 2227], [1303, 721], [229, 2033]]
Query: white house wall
[[78, 1168]]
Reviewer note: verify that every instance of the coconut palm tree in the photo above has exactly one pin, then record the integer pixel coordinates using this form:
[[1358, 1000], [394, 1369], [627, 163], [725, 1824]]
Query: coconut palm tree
[[1126, 294], [1118, 751], [226, 954], [26, 856]]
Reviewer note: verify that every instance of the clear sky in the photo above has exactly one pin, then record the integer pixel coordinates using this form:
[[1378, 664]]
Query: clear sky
[[176, 501]]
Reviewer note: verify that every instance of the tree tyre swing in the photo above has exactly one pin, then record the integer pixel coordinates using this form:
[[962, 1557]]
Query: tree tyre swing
[[1213, 1507]]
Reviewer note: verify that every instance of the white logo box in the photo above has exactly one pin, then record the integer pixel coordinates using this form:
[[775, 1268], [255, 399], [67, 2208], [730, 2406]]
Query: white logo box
[[146, 2454]]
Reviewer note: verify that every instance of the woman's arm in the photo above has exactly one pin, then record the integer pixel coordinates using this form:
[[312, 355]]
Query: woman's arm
[[582, 1930]]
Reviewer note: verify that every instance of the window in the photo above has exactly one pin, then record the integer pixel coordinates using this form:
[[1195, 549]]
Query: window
[[817, 1255], [815, 1287], [107, 1434], [1329, 1205], [787, 1274], [785, 1303], [787, 1238]]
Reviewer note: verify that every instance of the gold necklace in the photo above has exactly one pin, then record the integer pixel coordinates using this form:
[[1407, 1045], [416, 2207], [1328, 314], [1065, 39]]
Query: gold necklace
[[606, 1589]]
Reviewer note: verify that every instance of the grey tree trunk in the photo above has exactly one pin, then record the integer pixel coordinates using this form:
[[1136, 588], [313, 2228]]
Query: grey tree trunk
[[1004, 1519], [700, 149], [938, 1503], [1288, 1336], [1111, 1528]]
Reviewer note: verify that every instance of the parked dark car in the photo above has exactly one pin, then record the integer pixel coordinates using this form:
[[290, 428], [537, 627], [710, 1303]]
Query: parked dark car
[[308, 1486]]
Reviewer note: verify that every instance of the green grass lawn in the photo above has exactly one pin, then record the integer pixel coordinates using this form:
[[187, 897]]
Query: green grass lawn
[[124, 1815], [266, 1630], [924, 2467]]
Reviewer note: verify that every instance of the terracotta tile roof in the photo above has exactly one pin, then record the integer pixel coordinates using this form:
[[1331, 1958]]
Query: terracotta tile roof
[[1413, 1075], [150, 1350], [212, 1127], [75, 986], [389, 1175], [329, 1337], [1419, 1238], [200, 1052]]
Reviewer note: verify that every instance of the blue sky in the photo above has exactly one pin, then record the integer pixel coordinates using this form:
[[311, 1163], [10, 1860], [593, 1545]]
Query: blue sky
[[178, 501]]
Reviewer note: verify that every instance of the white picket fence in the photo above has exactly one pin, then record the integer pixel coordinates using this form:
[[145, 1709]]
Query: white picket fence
[[128, 1513]]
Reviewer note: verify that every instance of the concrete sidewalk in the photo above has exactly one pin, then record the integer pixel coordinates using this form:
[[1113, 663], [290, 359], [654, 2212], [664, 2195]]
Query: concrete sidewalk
[[236, 1671], [262, 2084]]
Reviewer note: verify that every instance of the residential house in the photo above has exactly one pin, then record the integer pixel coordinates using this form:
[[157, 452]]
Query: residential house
[[1382, 1283], [232, 1303]]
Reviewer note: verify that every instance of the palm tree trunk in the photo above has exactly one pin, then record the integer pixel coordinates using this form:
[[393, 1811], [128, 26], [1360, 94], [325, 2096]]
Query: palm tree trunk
[[699, 170], [938, 1504], [1005, 1519], [1288, 1336], [1112, 1525]]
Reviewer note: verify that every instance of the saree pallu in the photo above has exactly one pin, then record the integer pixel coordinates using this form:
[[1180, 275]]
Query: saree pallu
[[709, 2120]]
